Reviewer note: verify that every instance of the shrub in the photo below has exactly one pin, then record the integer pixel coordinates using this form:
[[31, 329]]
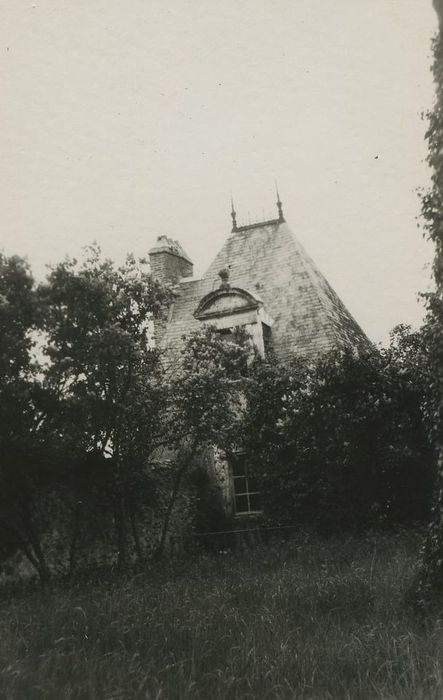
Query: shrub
[[343, 443]]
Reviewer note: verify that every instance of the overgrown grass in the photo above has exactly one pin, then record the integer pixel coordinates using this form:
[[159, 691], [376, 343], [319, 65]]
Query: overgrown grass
[[307, 618]]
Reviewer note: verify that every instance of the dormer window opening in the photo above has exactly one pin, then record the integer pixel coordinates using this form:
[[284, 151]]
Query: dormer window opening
[[267, 339], [231, 308]]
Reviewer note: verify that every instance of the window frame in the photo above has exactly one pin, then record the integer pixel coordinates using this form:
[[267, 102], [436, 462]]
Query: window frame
[[239, 457]]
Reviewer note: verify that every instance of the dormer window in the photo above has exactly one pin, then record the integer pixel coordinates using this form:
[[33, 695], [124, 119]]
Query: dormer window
[[228, 308]]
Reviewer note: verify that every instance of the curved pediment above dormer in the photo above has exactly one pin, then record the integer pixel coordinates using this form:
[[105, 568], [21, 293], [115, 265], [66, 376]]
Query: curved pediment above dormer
[[227, 301]]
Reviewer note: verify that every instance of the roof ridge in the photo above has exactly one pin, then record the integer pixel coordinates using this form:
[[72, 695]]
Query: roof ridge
[[257, 224]]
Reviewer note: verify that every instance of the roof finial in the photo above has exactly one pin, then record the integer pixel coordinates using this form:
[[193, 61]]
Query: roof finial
[[224, 276], [233, 216], [281, 218]]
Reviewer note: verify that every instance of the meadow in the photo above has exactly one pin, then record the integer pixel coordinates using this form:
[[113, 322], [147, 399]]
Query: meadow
[[307, 618]]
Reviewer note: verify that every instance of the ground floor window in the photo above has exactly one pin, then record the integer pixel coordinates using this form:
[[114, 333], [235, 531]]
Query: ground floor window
[[247, 496]]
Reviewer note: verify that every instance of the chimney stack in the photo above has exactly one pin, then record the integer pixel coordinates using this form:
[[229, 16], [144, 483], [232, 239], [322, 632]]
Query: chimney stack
[[169, 262]]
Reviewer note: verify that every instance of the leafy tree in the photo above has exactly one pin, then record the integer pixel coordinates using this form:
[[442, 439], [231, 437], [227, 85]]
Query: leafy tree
[[17, 316], [342, 442], [98, 322], [205, 402], [430, 579], [25, 468]]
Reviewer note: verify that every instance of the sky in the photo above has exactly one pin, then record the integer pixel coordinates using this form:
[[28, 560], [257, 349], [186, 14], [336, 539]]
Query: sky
[[122, 121]]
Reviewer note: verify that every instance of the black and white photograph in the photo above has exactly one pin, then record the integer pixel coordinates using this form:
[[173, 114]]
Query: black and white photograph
[[221, 350]]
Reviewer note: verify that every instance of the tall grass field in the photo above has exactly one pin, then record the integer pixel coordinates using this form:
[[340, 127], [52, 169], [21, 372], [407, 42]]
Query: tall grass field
[[302, 618]]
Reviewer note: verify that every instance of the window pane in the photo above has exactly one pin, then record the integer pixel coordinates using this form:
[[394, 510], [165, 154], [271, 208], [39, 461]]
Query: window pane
[[255, 501], [238, 465], [252, 484], [240, 484], [241, 504]]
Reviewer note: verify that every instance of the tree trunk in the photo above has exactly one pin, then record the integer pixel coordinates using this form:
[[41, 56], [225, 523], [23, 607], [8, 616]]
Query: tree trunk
[[74, 541], [135, 535], [120, 527], [430, 577], [27, 551], [174, 494], [31, 538]]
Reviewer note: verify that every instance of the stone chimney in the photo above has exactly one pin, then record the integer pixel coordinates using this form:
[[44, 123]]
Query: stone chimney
[[169, 262]]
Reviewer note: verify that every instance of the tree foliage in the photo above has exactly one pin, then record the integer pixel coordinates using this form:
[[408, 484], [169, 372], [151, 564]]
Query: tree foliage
[[430, 579], [342, 442], [98, 318], [206, 401], [17, 316], [102, 431], [25, 452]]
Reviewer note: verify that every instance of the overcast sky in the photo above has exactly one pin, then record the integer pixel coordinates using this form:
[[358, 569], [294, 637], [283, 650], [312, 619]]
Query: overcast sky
[[120, 121]]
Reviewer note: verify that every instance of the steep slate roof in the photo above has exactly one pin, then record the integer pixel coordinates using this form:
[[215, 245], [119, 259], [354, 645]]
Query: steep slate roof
[[268, 261]]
